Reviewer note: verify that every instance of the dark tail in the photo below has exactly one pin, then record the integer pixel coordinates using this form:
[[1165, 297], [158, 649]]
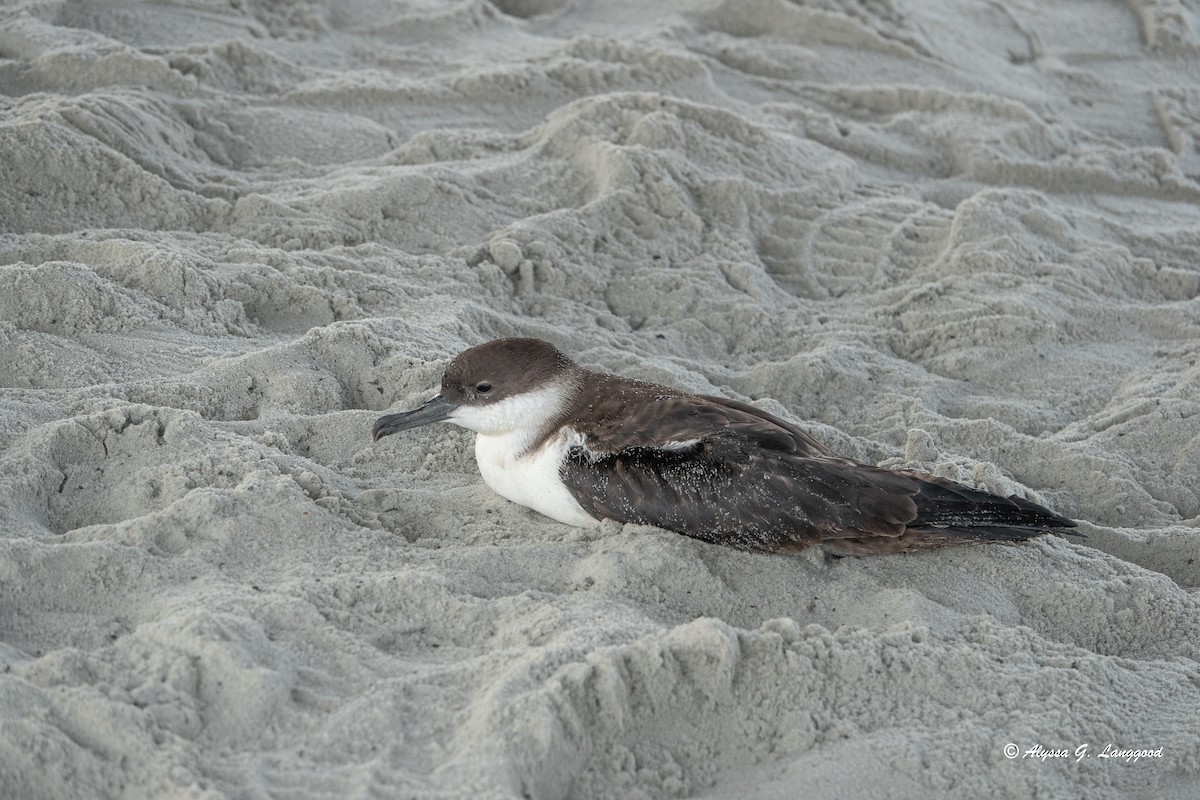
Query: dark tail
[[949, 509]]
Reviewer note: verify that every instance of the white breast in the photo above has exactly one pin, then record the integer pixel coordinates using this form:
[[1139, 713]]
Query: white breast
[[531, 479]]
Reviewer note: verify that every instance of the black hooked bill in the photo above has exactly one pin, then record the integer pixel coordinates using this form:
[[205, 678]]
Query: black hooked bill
[[436, 409]]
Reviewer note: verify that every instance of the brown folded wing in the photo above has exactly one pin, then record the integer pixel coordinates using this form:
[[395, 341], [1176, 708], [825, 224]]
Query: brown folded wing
[[729, 473]]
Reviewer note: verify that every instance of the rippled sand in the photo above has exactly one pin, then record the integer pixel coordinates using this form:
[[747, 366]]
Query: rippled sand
[[962, 238]]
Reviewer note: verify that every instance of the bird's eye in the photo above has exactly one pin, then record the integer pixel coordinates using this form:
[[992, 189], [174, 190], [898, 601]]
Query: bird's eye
[[483, 388]]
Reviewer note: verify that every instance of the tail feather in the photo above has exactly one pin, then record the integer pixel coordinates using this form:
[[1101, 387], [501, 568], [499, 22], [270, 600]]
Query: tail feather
[[950, 508]]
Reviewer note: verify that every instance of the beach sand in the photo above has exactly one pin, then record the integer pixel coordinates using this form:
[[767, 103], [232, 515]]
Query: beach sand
[[961, 238]]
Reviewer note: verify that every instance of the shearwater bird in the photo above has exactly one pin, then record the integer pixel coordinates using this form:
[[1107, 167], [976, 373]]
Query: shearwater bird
[[582, 446]]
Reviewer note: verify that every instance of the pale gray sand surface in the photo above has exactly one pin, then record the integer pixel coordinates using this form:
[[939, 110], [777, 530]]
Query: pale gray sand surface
[[960, 237]]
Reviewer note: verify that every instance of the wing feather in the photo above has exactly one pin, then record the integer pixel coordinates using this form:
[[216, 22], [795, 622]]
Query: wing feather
[[729, 473]]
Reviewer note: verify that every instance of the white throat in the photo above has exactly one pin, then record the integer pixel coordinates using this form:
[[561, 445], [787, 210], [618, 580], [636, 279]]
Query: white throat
[[518, 420], [510, 463]]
